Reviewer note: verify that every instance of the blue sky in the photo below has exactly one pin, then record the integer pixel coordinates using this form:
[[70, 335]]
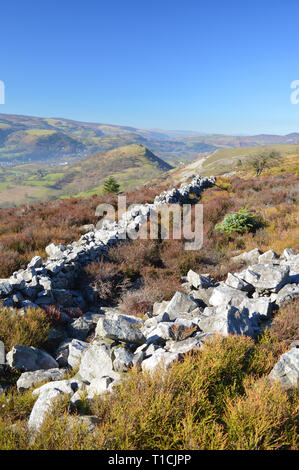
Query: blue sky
[[210, 66]]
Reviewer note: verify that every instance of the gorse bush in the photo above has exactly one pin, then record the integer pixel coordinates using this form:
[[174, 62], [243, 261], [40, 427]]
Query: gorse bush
[[241, 221]]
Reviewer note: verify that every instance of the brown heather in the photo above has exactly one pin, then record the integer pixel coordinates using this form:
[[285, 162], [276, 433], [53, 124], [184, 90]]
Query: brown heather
[[215, 399]]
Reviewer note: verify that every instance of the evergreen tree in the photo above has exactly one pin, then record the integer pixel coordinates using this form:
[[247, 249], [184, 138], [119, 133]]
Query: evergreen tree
[[111, 185]]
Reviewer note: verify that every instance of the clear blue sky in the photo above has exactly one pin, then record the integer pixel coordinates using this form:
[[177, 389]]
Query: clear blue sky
[[212, 66]]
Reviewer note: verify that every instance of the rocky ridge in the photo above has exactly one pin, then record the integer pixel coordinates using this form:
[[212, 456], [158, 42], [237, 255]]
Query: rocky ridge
[[242, 304]]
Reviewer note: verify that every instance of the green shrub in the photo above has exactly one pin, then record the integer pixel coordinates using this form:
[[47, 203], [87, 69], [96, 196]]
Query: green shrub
[[241, 221]]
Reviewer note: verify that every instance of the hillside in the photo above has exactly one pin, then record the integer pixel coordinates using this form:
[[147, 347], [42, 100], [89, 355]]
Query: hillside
[[131, 165], [197, 361], [45, 140], [228, 160], [28, 138]]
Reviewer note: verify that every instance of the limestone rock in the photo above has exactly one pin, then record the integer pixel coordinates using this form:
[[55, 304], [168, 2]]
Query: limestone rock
[[223, 295], [288, 293], [268, 257], [76, 349], [96, 362], [179, 304], [121, 328], [2, 353], [237, 283], [248, 256], [286, 370], [229, 320], [197, 280], [267, 277], [80, 328], [30, 379], [30, 359], [5, 288], [260, 307], [160, 358], [46, 397], [123, 359]]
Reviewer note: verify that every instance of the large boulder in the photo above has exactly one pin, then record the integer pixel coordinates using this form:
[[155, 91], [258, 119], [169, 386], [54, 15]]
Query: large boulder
[[223, 295], [47, 394], [26, 358], [122, 359], [30, 379], [228, 319], [237, 283], [181, 304], [248, 256], [286, 370], [288, 293], [197, 280], [122, 328], [6, 288], [267, 277], [160, 358], [96, 362], [260, 307]]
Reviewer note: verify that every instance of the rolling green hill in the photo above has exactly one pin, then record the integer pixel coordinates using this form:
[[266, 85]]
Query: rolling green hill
[[131, 165]]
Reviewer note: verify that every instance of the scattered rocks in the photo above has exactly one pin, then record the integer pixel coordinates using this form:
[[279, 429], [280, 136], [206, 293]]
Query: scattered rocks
[[177, 327]]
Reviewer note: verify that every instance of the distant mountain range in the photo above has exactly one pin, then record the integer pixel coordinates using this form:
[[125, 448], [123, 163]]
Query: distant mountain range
[[26, 138]]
